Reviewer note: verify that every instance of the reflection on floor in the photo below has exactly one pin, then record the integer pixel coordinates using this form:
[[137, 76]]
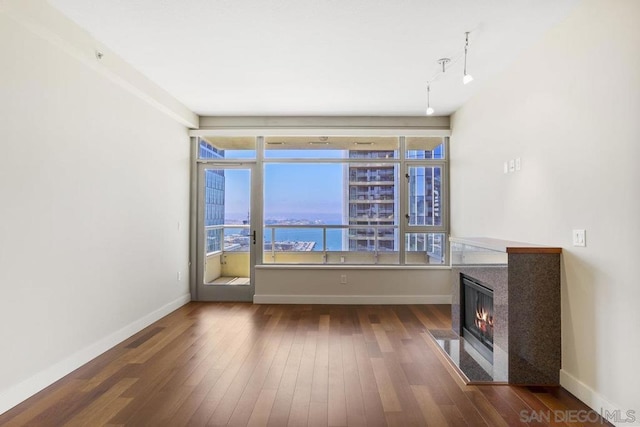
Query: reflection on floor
[[474, 367], [230, 281]]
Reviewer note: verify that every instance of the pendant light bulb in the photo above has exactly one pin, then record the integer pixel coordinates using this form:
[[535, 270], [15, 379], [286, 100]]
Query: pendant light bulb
[[466, 77], [430, 110]]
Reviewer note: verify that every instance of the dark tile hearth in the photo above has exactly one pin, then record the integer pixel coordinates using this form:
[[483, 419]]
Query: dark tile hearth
[[468, 361]]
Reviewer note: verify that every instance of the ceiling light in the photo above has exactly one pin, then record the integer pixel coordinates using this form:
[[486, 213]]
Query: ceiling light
[[275, 143], [318, 143], [467, 77], [430, 110], [363, 143], [443, 62]]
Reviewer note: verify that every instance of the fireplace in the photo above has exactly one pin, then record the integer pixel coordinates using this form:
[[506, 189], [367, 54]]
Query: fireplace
[[477, 316], [506, 323]]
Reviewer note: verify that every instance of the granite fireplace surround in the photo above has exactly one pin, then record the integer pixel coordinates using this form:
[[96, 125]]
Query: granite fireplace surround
[[525, 280]]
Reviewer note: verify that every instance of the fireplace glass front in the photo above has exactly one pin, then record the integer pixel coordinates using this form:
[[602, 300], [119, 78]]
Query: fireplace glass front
[[477, 316]]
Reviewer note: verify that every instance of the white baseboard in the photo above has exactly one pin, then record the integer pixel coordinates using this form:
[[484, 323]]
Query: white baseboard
[[352, 299], [27, 388], [597, 402]]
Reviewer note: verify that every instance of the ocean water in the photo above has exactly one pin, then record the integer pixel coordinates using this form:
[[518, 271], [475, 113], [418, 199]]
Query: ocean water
[[302, 234], [334, 237]]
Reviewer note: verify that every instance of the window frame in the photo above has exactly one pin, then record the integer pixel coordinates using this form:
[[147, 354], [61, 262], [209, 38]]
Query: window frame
[[402, 189]]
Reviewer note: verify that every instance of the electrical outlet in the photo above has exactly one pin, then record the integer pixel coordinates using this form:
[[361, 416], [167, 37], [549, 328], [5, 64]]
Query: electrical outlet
[[343, 279], [179, 276], [579, 238]]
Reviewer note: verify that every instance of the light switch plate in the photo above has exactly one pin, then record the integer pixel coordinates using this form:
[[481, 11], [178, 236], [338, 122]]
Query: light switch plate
[[518, 164], [579, 237], [512, 165]]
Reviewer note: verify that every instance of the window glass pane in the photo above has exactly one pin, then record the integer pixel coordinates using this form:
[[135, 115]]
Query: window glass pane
[[424, 147], [236, 239], [226, 209], [330, 147], [300, 199], [227, 204], [213, 209], [303, 193], [341, 207], [347, 212], [425, 248], [424, 195], [290, 239], [226, 147], [372, 206]]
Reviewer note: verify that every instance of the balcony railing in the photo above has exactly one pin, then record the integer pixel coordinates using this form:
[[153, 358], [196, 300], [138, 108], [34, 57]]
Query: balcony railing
[[372, 179], [323, 244], [235, 237]]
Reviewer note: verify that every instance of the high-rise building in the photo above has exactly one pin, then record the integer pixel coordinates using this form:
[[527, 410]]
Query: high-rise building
[[424, 189], [214, 197], [372, 200], [424, 202]]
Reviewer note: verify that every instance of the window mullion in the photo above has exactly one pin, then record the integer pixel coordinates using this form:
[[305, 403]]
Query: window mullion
[[403, 196]]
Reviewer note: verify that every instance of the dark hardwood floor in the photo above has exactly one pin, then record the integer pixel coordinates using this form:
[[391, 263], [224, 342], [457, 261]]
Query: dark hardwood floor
[[288, 365]]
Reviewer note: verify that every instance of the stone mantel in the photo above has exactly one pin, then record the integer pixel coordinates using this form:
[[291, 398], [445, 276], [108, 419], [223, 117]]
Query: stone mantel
[[506, 246], [525, 279]]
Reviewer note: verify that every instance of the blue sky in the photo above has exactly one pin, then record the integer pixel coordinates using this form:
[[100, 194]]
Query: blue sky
[[292, 190], [302, 190]]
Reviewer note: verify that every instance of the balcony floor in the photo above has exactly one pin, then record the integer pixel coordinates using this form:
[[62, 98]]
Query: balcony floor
[[230, 281]]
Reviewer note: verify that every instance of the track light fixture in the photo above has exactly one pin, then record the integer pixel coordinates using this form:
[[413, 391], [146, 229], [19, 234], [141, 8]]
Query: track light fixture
[[444, 62], [466, 78], [430, 110]]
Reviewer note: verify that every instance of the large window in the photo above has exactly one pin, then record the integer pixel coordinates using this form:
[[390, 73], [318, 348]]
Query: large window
[[345, 200]]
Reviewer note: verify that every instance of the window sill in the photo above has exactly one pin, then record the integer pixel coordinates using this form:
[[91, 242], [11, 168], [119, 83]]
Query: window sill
[[349, 267]]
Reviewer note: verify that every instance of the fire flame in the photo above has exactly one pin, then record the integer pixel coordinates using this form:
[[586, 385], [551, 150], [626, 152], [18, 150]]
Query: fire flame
[[483, 319]]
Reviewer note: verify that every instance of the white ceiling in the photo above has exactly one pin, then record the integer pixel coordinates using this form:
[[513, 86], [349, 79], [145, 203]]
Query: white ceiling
[[316, 57]]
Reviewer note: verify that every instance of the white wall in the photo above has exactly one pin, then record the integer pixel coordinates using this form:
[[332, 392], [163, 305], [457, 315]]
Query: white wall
[[93, 184], [570, 109]]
